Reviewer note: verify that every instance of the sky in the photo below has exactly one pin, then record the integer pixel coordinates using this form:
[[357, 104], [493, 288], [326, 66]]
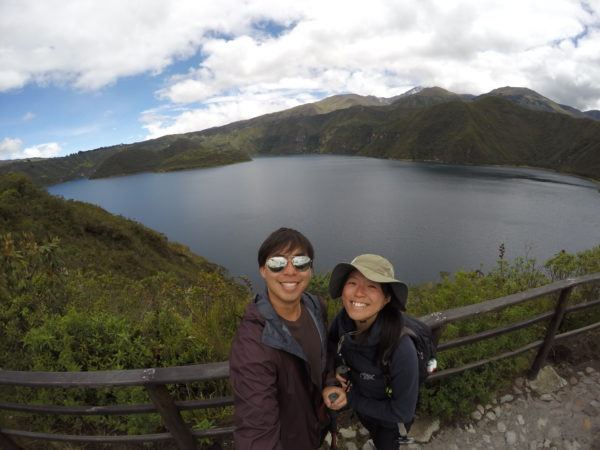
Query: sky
[[77, 75]]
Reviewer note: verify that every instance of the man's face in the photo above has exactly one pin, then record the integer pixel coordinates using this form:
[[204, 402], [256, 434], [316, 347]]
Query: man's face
[[286, 286]]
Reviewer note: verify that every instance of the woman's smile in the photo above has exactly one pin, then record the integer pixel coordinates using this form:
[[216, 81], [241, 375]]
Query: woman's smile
[[363, 298]]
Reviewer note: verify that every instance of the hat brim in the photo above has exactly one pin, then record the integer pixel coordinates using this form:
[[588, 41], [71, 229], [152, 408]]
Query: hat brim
[[342, 270]]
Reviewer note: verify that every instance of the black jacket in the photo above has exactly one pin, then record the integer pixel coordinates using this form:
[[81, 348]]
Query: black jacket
[[367, 395]]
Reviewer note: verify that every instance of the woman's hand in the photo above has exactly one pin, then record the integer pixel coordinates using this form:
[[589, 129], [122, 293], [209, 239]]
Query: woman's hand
[[334, 397], [343, 381]]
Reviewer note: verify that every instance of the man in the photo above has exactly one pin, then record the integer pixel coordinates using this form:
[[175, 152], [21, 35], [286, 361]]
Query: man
[[278, 355]]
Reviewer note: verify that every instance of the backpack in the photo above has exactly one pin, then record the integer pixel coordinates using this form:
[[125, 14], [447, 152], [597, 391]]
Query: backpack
[[422, 337]]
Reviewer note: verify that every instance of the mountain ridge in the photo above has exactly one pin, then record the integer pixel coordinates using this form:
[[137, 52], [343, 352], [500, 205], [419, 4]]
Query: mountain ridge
[[415, 125]]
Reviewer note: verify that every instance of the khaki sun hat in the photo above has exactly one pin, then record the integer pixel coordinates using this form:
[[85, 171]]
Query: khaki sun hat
[[375, 268]]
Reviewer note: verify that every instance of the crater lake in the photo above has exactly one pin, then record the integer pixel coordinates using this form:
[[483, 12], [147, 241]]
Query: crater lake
[[426, 218]]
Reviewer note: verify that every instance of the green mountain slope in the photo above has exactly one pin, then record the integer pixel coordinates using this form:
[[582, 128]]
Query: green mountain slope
[[82, 289], [330, 104], [91, 238], [487, 130], [593, 114], [168, 153], [46, 171], [181, 154], [494, 131], [514, 126]]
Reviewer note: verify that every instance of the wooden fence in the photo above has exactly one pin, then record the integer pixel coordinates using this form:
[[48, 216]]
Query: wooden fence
[[155, 380]]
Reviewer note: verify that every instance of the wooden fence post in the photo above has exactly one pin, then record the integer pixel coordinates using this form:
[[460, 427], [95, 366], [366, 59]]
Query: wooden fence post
[[436, 334], [7, 443], [171, 417], [553, 326]]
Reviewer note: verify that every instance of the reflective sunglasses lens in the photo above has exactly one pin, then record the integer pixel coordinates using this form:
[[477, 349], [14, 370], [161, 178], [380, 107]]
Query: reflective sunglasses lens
[[276, 263], [301, 263]]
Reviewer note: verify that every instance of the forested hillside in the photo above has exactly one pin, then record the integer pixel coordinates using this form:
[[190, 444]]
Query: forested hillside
[[508, 126], [82, 289], [68, 264], [489, 130], [166, 154]]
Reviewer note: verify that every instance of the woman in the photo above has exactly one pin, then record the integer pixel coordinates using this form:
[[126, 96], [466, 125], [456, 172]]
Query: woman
[[364, 334]]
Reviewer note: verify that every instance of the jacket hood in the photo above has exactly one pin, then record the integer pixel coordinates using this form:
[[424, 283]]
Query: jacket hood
[[277, 335]]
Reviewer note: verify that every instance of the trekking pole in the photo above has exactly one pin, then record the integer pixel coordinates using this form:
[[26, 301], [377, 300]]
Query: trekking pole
[[333, 428], [403, 438]]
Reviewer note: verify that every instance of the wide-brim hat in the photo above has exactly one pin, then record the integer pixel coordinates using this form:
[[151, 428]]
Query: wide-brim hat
[[375, 268]]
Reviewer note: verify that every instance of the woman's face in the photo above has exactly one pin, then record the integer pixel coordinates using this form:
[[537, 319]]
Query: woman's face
[[363, 299]]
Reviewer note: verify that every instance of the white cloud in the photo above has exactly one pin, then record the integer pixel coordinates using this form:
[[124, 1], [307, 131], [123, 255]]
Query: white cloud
[[47, 150], [397, 40], [218, 111], [12, 148], [28, 116], [380, 47], [383, 48], [91, 44]]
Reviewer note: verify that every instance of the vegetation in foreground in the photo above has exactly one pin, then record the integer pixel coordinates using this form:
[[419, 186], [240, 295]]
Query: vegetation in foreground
[[81, 289]]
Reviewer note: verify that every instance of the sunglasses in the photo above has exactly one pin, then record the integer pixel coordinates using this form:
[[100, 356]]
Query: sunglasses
[[278, 263]]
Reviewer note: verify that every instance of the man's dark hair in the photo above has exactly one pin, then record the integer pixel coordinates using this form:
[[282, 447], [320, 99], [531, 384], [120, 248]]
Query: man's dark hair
[[281, 240]]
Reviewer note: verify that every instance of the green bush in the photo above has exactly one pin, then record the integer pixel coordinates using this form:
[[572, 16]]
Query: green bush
[[456, 395], [110, 322]]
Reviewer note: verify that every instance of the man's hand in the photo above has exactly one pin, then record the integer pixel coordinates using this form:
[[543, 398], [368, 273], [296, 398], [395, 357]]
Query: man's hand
[[334, 397]]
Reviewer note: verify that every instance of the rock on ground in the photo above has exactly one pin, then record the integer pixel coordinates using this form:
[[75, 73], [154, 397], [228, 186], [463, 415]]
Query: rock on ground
[[569, 420]]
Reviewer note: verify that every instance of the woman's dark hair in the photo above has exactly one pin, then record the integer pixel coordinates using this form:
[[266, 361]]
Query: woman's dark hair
[[392, 322], [281, 240]]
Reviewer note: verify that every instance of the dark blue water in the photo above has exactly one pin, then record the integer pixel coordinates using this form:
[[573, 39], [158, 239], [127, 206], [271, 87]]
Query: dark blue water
[[426, 218]]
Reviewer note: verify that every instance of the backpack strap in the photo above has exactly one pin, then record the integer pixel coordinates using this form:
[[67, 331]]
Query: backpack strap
[[387, 373], [387, 359]]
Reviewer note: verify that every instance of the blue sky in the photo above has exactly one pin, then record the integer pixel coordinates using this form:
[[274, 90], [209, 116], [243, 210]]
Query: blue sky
[[78, 75]]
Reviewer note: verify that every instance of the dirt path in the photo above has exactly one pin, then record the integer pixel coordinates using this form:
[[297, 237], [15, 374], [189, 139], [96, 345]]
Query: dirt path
[[568, 418]]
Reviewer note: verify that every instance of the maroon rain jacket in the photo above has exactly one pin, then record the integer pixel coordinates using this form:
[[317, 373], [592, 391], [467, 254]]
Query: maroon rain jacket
[[276, 403]]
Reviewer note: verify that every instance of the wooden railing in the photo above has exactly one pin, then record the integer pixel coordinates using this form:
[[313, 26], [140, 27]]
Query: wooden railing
[[155, 380]]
